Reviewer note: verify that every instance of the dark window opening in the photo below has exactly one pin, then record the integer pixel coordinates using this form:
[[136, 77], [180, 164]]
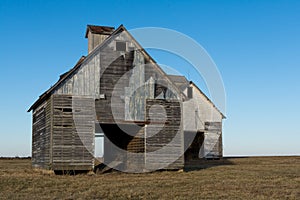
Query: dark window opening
[[121, 46], [190, 92], [67, 109]]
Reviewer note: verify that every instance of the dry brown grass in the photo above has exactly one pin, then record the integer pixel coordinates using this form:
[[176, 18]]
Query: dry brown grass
[[240, 178]]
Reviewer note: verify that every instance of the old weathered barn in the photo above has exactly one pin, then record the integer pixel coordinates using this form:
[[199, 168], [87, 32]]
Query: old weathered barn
[[148, 120]]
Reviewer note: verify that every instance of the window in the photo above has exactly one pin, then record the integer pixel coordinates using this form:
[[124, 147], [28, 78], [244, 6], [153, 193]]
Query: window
[[99, 145], [99, 141], [120, 46], [190, 92]]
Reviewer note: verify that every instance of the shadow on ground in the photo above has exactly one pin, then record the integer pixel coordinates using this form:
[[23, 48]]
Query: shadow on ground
[[208, 163], [190, 166]]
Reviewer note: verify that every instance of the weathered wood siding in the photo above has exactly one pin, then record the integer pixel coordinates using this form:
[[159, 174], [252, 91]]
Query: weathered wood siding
[[136, 91], [94, 40], [41, 137], [114, 86], [72, 133], [85, 81], [199, 114], [113, 67], [164, 143], [198, 110], [213, 140], [136, 152], [163, 87], [119, 81]]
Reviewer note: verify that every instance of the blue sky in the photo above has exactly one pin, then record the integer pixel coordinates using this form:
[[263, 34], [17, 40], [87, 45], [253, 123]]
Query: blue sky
[[255, 44]]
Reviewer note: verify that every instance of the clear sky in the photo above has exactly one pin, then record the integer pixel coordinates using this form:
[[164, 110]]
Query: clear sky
[[255, 44]]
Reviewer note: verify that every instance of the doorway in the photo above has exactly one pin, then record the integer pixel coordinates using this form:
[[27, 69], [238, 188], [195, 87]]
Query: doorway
[[194, 146]]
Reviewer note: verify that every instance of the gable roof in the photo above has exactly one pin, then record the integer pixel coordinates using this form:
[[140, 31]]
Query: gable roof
[[64, 76]]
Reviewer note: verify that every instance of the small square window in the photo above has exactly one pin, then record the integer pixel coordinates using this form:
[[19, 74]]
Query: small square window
[[121, 46]]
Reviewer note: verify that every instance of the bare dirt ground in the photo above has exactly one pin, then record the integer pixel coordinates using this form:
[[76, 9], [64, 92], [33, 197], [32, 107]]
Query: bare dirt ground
[[231, 178]]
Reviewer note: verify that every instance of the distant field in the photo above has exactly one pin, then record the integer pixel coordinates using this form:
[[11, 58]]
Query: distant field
[[234, 178]]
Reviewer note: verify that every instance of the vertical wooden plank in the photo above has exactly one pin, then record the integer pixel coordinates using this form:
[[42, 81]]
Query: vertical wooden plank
[[40, 137], [51, 130], [97, 76]]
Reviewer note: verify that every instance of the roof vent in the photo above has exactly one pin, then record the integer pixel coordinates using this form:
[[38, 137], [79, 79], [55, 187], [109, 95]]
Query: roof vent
[[96, 35]]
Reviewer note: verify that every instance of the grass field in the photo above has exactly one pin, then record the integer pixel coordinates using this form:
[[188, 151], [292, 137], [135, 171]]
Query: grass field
[[232, 178]]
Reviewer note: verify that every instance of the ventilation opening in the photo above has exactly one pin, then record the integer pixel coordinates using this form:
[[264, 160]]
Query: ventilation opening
[[190, 92], [120, 46], [67, 110]]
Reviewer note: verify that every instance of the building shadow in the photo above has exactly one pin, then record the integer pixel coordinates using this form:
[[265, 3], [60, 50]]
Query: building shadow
[[200, 164]]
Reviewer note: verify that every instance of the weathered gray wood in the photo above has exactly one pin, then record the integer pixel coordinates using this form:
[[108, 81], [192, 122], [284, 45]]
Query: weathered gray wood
[[136, 152], [72, 132], [213, 126], [164, 146], [120, 86], [85, 80], [41, 137]]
